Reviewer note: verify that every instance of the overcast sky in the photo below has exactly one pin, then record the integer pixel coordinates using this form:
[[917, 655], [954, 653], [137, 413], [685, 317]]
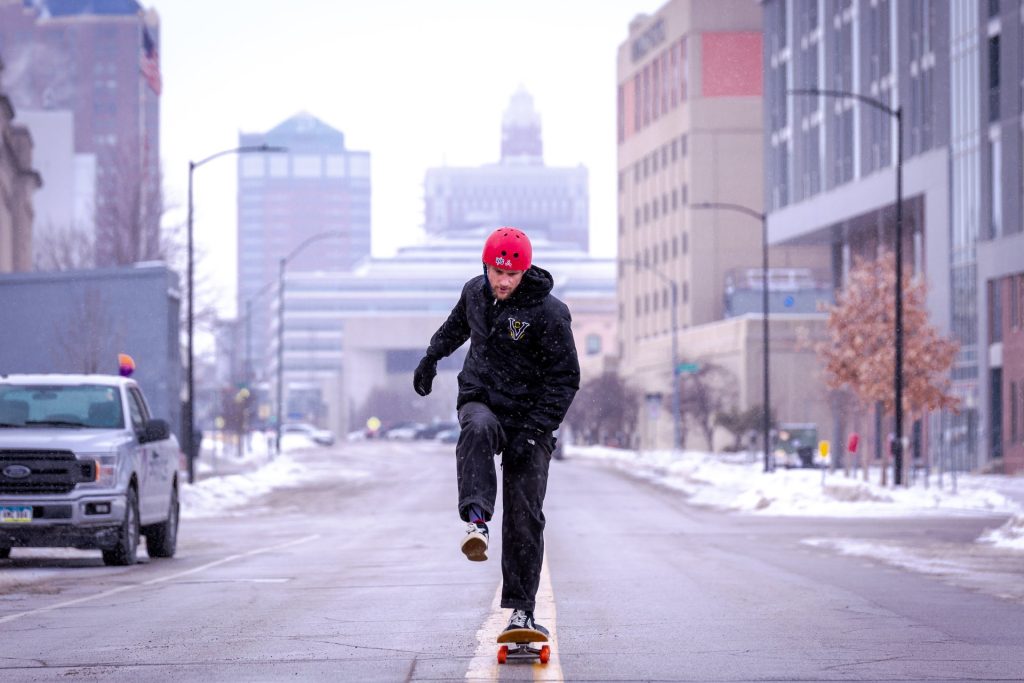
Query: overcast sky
[[417, 83]]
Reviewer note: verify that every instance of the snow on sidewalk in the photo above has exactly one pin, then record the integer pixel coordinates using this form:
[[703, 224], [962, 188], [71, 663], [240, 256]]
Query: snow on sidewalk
[[733, 482]]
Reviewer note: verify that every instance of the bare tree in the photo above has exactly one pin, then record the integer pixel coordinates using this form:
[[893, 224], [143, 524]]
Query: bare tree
[[87, 338], [740, 423], [129, 208], [705, 394], [70, 247], [605, 409]]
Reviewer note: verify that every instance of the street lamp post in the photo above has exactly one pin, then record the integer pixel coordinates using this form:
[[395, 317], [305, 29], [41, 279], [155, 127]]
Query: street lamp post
[[188, 419], [677, 435], [766, 423], [896, 113], [282, 264]]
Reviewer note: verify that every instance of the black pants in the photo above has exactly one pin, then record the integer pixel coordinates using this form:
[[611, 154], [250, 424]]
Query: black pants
[[524, 482]]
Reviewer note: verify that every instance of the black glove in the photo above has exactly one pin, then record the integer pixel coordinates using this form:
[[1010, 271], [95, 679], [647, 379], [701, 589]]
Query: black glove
[[423, 377], [525, 440]]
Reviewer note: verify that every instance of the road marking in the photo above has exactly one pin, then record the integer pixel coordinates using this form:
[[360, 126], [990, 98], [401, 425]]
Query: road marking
[[158, 580], [484, 665]]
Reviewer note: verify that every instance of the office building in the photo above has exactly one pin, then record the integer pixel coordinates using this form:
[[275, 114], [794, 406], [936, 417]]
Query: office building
[[547, 202], [18, 180], [316, 186], [954, 71], [98, 61], [690, 131]]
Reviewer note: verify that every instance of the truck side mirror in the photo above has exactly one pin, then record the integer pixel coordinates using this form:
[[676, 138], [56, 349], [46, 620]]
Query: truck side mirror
[[155, 430]]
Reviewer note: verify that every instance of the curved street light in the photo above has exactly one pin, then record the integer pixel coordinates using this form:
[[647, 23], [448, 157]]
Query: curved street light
[[282, 264], [896, 113], [767, 420], [188, 419]]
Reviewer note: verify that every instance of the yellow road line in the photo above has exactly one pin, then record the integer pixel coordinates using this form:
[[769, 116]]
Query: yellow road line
[[484, 665]]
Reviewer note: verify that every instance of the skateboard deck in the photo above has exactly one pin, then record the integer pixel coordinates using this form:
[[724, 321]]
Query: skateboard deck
[[519, 645]]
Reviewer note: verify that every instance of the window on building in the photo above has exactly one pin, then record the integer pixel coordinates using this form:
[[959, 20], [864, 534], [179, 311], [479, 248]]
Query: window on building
[[637, 305], [995, 311], [654, 162], [636, 217], [646, 163], [675, 199], [647, 212], [593, 344], [622, 224], [686, 242], [675, 150], [674, 82], [682, 145], [253, 165], [993, 78], [654, 209], [675, 247], [1016, 296], [306, 166], [686, 291], [278, 165], [682, 69], [647, 95], [684, 194], [995, 210], [664, 155], [664, 250], [1014, 413], [993, 8]]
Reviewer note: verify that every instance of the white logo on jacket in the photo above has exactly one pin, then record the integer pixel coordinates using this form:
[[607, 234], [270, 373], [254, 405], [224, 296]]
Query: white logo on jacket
[[516, 328]]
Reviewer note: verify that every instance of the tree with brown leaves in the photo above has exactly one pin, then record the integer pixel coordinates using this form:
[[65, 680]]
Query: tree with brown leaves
[[859, 353]]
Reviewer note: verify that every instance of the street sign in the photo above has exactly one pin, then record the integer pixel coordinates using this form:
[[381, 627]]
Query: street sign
[[687, 368]]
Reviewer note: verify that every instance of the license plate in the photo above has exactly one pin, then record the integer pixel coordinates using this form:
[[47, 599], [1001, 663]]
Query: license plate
[[12, 514]]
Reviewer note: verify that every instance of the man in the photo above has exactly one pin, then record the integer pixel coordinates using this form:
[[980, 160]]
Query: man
[[519, 377]]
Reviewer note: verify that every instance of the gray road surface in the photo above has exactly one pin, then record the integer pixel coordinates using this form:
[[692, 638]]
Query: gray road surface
[[363, 581]]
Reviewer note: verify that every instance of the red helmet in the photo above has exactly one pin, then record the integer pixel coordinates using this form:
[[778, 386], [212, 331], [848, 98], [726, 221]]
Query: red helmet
[[508, 248]]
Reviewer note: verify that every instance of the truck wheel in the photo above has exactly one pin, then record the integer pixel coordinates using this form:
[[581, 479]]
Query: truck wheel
[[127, 548], [162, 538], [5, 553]]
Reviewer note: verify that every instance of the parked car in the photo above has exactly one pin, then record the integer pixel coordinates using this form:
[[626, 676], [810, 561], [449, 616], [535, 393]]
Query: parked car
[[795, 443], [84, 465], [403, 430], [432, 430], [324, 437], [448, 436]]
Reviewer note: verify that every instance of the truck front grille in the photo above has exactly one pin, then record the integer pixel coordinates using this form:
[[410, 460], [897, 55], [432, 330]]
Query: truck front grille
[[42, 472]]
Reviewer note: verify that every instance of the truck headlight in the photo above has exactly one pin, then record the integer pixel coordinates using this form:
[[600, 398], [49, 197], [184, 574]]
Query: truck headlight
[[106, 470]]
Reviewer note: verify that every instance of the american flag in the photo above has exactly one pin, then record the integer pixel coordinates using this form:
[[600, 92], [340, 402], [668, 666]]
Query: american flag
[[149, 62]]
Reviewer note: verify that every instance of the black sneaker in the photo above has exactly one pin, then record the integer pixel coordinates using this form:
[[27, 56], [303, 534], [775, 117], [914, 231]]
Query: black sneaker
[[474, 545], [521, 624]]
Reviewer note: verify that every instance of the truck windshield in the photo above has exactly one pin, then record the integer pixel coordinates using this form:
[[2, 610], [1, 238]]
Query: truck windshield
[[84, 406]]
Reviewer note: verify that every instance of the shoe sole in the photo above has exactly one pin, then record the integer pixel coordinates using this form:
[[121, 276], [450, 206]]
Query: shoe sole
[[475, 549], [522, 635]]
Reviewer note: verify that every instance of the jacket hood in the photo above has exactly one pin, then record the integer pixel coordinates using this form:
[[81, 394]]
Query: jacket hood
[[536, 284]]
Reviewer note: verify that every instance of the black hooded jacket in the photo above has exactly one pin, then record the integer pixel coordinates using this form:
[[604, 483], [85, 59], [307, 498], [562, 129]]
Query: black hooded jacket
[[522, 358]]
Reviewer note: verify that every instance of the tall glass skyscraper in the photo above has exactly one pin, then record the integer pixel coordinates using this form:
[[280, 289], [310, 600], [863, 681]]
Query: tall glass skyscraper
[[316, 186]]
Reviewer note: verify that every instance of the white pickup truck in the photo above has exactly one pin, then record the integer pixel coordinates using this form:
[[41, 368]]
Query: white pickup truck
[[83, 465]]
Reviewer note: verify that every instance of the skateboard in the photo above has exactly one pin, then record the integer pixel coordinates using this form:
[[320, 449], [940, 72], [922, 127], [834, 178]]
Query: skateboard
[[520, 646]]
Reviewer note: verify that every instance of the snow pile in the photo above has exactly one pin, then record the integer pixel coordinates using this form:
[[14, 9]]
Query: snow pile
[[1010, 535], [738, 482], [212, 496], [215, 495]]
